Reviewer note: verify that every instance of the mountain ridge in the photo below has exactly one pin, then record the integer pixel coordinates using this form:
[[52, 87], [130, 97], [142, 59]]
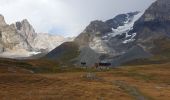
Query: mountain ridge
[[21, 40], [125, 37]]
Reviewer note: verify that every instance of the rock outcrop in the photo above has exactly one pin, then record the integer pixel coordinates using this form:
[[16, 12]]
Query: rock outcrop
[[11, 39], [26, 29], [45, 42], [20, 39]]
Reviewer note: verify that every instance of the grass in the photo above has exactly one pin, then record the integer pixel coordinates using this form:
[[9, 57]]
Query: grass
[[54, 82], [133, 91]]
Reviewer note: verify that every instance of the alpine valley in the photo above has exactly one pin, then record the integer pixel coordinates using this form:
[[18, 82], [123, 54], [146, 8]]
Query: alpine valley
[[126, 57]]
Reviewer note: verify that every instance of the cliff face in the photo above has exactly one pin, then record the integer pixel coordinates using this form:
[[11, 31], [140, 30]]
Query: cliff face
[[155, 22], [26, 29], [10, 38], [20, 39], [2, 21], [158, 11]]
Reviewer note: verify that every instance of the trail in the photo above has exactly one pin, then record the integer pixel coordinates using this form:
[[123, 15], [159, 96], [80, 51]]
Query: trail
[[133, 91], [130, 90]]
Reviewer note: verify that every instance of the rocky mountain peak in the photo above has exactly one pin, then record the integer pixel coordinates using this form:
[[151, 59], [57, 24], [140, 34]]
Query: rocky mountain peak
[[125, 37], [121, 19], [159, 11], [20, 40], [97, 26], [26, 29], [106, 29], [2, 20], [25, 21], [155, 22]]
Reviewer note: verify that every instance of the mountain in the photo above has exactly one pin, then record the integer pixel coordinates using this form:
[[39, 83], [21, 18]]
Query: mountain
[[47, 42], [11, 39], [126, 37], [66, 51], [26, 29], [20, 40], [109, 37], [102, 41]]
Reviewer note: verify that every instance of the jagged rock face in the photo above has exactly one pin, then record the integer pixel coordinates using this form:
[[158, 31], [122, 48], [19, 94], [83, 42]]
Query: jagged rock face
[[158, 11], [109, 37], [155, 22], [10, 39], [46, 42], [120, 20], [21, 40], [96, 28], [2, 21], [152, 26], [25, 29]]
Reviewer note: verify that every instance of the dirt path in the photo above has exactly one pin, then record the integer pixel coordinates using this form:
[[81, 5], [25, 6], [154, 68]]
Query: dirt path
[[133, 91], [130, 90]]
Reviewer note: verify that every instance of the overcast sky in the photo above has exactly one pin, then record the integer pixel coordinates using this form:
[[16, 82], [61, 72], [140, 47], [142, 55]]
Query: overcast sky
[[66, 17]]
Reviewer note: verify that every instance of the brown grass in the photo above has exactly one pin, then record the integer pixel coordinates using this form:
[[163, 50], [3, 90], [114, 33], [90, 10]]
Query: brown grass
[[150, 81]]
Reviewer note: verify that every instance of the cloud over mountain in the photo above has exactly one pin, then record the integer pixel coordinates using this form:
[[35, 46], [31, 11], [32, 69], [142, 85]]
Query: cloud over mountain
[[66, 17]]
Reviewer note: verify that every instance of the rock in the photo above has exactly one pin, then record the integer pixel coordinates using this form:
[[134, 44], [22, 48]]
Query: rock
[[21, 36], [2, 21], [47, 42], [155, 22], [26, 29]]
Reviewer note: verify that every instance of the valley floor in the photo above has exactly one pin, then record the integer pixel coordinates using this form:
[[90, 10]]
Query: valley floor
[[146, 82]]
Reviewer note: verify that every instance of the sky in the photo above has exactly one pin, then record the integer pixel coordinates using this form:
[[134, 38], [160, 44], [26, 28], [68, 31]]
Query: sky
[[66, 17]]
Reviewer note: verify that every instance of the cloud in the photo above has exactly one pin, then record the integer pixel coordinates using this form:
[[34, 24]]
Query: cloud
[[66, 17]]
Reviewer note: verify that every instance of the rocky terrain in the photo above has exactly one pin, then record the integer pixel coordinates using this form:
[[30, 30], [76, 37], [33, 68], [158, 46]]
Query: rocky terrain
[[124, 38], [21, 40], [47, 42]]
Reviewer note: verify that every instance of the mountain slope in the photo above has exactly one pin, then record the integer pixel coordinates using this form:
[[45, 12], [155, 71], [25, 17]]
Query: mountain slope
[[64, 52], [102, 41], [155, 22], [126, 37], [11, 39], [47, 42], [21, 40]]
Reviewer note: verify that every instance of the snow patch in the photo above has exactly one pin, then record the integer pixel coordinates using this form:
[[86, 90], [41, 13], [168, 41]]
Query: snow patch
[[128, 25], [131, 39]]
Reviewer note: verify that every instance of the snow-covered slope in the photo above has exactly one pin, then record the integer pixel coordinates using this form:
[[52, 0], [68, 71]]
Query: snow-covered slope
[[128, 25], [108, 42], [111, 39]]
